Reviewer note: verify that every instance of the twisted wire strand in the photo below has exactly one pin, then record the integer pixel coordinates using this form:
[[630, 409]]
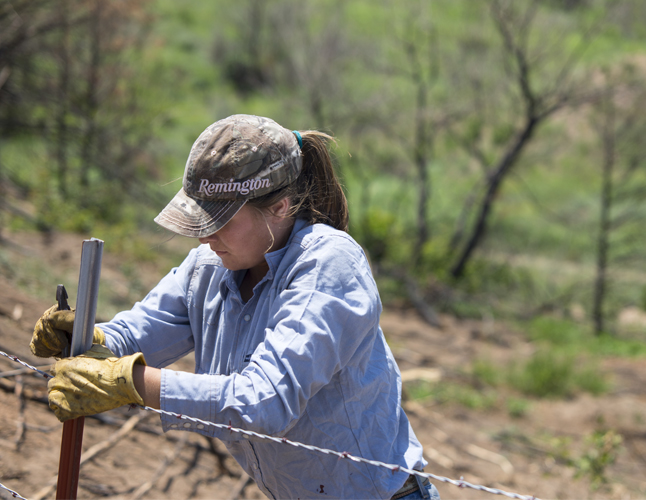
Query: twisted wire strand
[[26, 365], [461, 483], [14, 494], [394, 468]]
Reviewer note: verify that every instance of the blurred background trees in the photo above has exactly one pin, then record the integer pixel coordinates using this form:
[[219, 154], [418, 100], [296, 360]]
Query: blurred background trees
[[76, 107], [474, 138]]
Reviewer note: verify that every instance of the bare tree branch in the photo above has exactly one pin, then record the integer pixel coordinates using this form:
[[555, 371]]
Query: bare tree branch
[[537, 107]]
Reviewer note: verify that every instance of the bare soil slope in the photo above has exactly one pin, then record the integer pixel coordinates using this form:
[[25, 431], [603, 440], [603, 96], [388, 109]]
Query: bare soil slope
[[485, 446]]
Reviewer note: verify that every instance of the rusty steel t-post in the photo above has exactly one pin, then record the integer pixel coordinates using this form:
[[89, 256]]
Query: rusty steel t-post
[[85, 315]]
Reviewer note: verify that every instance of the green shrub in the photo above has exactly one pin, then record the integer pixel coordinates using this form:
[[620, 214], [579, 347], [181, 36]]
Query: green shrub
[[579, 338], [486, 372], [554, 373], [602, 450], [546, 374], [609, 345], [375, 233], [517, 407], [590, 379], [557, 331], [447, 392]]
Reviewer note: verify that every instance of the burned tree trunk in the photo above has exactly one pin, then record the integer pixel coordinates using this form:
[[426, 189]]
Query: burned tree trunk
[[604, 226], [494, 181]]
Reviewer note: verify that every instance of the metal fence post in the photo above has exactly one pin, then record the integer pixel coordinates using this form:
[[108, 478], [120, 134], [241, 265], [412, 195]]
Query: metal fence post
[[85, 315]]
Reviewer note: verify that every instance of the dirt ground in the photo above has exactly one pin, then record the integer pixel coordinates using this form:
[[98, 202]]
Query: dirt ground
[[485, 446]]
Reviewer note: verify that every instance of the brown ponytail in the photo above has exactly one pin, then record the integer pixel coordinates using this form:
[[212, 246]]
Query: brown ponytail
[[316, 195]]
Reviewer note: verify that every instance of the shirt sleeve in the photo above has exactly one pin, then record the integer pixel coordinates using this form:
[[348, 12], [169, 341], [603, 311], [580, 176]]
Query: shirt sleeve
[[324, 320], [158, 326]]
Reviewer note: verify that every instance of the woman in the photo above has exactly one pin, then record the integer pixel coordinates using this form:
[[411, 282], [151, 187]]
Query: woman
[[282, 312]]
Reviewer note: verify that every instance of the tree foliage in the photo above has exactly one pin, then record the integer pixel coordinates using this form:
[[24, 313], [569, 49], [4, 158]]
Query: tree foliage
[[73, 84], [464, 132]]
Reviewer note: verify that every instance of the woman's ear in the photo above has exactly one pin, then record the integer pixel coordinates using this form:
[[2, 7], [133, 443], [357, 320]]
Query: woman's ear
[[281, 208]]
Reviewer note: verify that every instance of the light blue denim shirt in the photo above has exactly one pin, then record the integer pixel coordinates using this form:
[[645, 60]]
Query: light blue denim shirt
[[304, 358]]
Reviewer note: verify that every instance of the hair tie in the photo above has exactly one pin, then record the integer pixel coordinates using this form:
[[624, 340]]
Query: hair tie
[[299, 138]]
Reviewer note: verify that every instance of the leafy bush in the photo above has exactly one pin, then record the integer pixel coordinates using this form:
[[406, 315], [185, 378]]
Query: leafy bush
[[555, 373], [486, 372], [447, 392], [589, 379], [517, 407], [546, 374], [578, 338], [557, 331], [375, 233], [602, 451], [609, 345]]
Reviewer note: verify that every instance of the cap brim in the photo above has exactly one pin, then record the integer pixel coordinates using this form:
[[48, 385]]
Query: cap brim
[[197, 218]]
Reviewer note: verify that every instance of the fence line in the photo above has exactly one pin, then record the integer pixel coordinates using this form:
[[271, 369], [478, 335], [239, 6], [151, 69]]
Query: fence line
[[26, 365], [345, 455], [14, 494]]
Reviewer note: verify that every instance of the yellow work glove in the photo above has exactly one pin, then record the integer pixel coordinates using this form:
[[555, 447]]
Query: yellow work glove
[[93, 382], [50, 335]]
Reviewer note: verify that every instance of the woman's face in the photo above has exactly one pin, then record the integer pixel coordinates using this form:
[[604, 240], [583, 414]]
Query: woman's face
[[243, 241]]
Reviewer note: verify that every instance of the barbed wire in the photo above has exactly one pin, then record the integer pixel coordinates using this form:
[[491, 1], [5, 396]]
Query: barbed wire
[[14, 494], [343, 454], [461, 483], [26, 365]]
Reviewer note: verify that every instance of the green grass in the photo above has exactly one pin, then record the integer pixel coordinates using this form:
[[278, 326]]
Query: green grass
[[517, 407], [450, 392], [547, 374], [486, 372], [545, 212], [572, 336], [544, 375], [602, 449], [550, 373]]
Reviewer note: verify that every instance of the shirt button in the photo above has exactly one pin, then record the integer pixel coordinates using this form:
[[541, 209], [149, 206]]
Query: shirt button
[[247, 317], [255, 466]]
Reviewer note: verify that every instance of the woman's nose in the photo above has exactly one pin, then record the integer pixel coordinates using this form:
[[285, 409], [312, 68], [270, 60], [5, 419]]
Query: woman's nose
[[207, 239]]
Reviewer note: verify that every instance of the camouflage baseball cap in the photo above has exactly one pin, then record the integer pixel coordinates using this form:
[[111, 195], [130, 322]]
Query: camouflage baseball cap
[[234, 160]]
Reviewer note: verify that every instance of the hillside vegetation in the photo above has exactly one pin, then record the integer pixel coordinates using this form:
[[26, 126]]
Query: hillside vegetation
[[491, 150], [492, 153]]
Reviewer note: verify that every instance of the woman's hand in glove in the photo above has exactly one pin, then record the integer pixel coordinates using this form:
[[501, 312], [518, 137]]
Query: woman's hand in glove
[[51, 333], [93, 382]]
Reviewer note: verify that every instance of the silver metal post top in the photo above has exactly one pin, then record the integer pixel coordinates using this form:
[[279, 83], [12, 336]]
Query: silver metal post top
[[86, 298]]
